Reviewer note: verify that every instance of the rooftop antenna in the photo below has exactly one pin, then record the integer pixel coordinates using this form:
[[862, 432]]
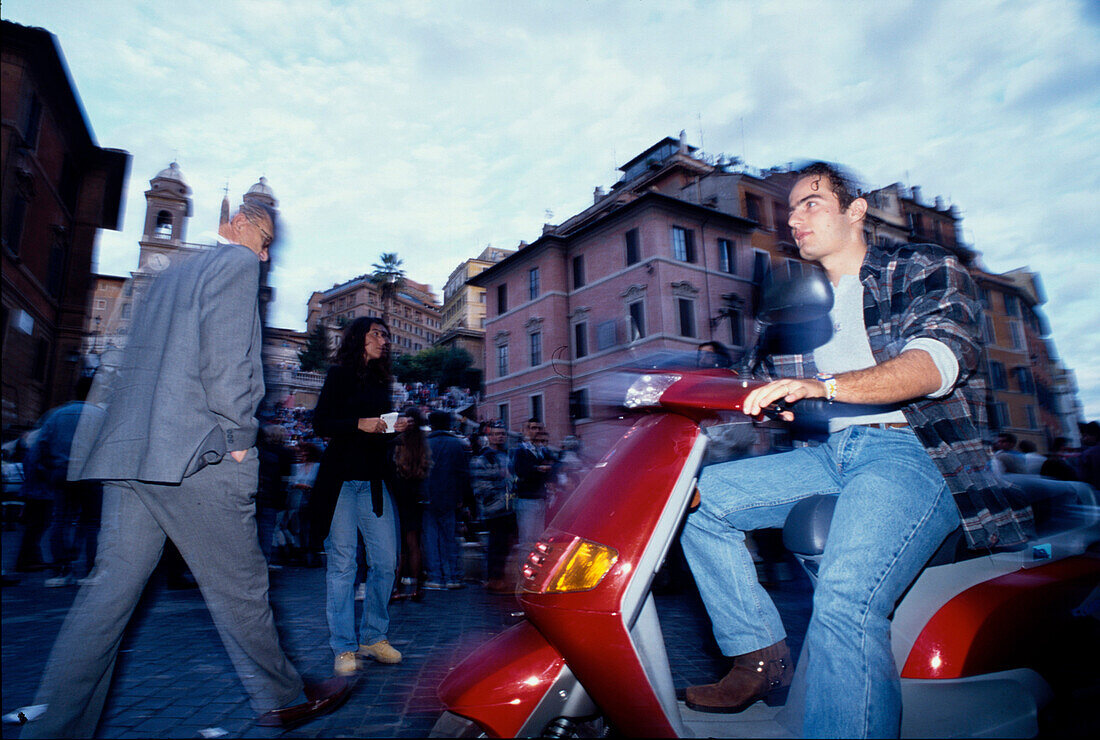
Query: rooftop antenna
[[699, 118]]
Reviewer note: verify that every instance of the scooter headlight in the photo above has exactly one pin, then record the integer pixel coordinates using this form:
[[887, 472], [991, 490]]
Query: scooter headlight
[[561, 565], [647, 390]]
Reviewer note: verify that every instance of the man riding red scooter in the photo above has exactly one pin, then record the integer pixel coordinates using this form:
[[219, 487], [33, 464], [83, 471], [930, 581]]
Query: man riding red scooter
[[906, 340]]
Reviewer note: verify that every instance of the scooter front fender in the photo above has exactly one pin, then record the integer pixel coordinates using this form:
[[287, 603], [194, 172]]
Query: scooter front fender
[[513, 685]]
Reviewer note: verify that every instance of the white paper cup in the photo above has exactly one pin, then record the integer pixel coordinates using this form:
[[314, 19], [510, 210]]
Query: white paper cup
[[391, 421]]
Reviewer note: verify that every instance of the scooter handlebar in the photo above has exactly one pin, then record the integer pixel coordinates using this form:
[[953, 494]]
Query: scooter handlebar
[[812, 407]]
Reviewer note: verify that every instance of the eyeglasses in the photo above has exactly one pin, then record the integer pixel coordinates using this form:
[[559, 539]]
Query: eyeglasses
[[268, 237]]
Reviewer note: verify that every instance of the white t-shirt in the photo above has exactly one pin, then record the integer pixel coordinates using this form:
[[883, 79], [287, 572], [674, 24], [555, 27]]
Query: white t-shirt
[[849, 349]]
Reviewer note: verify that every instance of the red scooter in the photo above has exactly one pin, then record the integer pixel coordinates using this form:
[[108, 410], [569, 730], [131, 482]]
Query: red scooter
[[980, 640]]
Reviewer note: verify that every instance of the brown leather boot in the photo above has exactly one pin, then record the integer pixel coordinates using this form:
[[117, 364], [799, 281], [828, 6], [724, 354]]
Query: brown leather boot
[[762, 674]]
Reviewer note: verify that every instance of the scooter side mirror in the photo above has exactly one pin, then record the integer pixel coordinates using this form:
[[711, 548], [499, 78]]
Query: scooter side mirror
[[796, 300]]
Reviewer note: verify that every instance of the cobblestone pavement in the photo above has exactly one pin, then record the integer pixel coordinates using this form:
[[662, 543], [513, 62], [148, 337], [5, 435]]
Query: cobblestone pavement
[[174, 678]]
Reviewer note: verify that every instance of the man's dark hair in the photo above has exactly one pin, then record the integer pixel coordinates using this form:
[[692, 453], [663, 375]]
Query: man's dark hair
[[1008, 437], [350, 354], [1059, 444], [1026, 446], [842, 183], [439, 421]]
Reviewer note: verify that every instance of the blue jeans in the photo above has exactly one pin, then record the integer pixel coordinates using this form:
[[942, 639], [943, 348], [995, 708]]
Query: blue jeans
[[355, 513], [530, 521], [440, 546], [893, 511]]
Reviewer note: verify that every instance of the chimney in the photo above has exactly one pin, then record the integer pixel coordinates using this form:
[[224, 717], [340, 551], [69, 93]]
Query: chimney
[[939, 202], [916, 194], [683, 142], [522, 244], [597, 194]]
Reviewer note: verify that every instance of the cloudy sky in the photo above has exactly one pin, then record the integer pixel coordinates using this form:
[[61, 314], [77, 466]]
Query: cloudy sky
[[435, 128]]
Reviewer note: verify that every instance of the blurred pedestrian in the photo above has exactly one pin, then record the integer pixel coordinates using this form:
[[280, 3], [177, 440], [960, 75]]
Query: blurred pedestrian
[[412, 460], [303, 476], [1006, 459], [353, 399], [531, 470], [276, 462], [1056, 466], [1088, 462], [1033, 461], [177, 449], [445, 488], [76, 504], [489, 477]]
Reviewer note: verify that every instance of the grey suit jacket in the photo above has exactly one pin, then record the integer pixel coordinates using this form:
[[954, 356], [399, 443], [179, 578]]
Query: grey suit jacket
[[191, 377]]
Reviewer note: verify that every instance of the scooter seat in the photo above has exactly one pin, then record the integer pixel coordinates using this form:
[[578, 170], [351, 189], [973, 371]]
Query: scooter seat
[[807, 525], [807, 529]]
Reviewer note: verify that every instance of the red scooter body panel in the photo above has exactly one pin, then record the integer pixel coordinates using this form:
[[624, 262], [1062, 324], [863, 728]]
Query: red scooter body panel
[[500, 685], [971, 634], [606, 508]]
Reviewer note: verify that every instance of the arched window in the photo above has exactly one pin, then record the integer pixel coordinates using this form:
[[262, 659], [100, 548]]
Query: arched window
[[164, 225]]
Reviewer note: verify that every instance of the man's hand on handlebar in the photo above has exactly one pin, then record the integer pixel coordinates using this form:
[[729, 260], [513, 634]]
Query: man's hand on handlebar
[[787, 390]]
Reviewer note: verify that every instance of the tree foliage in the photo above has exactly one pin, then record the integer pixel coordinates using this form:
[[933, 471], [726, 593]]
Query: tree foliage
[[444, 366], [314, 358], [390, 278]]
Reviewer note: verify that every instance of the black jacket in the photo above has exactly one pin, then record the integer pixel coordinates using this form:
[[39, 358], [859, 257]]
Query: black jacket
[[351, 454]]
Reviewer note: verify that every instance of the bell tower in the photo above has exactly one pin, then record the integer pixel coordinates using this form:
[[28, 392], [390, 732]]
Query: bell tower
[[168, 207]]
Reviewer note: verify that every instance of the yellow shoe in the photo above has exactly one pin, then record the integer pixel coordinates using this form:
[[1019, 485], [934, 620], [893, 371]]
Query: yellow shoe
[[346, 664], [381, 651]]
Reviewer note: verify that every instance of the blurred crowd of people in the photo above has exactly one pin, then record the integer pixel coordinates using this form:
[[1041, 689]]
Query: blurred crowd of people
[[497, 498]]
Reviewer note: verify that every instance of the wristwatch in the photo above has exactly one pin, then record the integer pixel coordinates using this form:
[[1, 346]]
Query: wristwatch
[[830, 385]]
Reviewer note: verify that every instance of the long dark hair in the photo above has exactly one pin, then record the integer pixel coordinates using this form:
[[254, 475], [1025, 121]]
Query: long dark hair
[[350, 354], [413, 457]]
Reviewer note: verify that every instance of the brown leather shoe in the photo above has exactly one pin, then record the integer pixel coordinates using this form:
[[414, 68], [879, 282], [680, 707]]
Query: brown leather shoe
[[321, 698], [762, 674]]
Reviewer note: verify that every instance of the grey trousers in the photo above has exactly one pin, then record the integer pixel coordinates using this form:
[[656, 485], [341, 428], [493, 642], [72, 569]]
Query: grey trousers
[[211, 518]]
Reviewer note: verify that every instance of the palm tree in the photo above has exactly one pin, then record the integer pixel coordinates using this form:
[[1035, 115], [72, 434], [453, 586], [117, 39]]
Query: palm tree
[[390, 278]]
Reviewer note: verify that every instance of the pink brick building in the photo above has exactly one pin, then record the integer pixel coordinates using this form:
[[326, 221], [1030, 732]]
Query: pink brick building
[[663, 262]]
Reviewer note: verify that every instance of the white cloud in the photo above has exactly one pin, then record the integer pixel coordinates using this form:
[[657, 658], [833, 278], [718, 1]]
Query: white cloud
[[431, 129]]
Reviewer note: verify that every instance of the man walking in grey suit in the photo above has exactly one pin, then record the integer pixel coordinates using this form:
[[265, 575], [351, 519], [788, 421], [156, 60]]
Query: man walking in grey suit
[[176, 449]]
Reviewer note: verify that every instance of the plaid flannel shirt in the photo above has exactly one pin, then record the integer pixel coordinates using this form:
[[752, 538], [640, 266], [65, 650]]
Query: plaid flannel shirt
[[921, 290]]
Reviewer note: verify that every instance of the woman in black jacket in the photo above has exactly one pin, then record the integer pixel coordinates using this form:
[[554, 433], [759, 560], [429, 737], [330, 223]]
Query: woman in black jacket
[[355, 396]]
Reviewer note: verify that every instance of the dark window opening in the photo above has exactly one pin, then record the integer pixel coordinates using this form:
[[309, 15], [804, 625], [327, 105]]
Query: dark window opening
[[727, 258], [536, 348], [631, 247], [533, 283], [578, 404], [580, 340], [687, 316], [164, 225], [637, 320], [683, 244]]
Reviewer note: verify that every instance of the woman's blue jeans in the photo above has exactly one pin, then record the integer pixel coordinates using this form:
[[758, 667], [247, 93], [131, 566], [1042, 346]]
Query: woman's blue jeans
[[355, 514], [893, 511]]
